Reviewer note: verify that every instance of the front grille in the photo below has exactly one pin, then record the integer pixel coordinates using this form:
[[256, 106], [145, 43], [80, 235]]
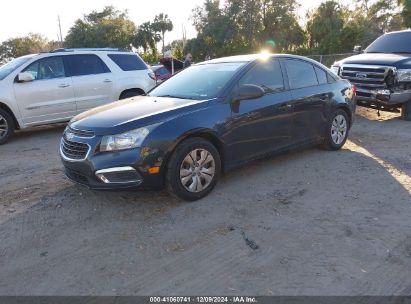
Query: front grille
[[74, 150], [80, 133], [366, 78]]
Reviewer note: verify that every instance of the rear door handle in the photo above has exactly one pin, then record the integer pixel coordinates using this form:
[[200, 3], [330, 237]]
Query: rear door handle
[[107, 80], [324, 97], [64, 85]]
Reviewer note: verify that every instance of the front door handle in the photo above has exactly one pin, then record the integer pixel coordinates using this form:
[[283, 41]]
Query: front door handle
[[107, 80], [64, 85]]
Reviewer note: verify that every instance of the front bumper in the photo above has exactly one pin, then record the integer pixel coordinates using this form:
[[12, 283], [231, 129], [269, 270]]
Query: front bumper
[[385, 98], [125, 169]]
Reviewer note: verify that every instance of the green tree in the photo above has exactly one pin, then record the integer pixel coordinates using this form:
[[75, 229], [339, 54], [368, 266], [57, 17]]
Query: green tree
[[147, 38], [280, 24], [324, 27], [162, 24], [107, 28], [405, 12], [20, 46]]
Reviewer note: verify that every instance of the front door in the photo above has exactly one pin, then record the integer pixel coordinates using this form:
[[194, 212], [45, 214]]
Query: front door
[[261, 125], [50, 96]]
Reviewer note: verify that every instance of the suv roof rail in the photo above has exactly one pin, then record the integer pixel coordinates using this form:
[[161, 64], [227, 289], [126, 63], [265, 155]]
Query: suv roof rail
[[89, 49]]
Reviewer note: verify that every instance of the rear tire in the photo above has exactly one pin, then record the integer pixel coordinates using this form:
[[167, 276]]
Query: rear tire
[[337, 130], [7, 126], [406, 111], [193, 169]]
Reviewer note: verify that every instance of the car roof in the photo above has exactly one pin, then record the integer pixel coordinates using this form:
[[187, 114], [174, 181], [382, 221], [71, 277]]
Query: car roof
[[259, 56]]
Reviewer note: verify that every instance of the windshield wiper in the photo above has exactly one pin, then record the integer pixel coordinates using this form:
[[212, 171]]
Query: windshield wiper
[[400, 52], [175, 96]]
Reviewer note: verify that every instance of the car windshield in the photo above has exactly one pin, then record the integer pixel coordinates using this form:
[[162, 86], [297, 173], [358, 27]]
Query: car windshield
[[9, 67], [203, 81], [396, 43]]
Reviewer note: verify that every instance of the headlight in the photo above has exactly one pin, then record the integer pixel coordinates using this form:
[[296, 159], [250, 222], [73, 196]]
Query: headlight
[[123, 141], [335, 69], [404, 75]]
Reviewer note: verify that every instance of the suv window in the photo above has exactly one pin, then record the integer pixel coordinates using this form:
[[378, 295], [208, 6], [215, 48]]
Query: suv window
[[47, 68], [300, 74], [321, 75], [88, 64], [267, 75], [129, 62]]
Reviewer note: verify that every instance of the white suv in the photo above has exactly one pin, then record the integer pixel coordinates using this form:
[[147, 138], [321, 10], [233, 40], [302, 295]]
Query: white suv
[[53, 87]]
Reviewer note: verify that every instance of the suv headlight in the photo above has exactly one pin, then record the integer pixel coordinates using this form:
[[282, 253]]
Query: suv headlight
[[127, 140], [404, 75]]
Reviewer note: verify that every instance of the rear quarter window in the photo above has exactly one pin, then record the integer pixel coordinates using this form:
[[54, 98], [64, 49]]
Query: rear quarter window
[[128, 62]]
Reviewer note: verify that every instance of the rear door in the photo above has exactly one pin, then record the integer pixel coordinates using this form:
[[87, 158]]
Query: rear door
[[311, 94], [50, 96], [262, 125], [92, 80]]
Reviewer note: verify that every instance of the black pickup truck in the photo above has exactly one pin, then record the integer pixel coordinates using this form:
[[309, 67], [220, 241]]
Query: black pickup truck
[[381, 73]]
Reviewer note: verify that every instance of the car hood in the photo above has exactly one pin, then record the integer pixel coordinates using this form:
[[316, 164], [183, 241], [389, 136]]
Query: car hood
[[397, 60], [135, 112]]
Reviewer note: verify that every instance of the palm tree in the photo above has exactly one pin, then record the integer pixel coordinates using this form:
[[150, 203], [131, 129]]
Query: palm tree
[[162, 24], [146, 37]]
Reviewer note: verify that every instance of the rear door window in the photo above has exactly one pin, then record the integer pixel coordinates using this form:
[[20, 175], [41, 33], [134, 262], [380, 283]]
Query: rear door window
[[301, 74], [87, 64], [267, 75], [128, 62], [321, 75]]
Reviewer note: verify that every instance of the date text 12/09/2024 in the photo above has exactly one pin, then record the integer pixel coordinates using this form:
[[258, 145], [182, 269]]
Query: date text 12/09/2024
[[175, 299]]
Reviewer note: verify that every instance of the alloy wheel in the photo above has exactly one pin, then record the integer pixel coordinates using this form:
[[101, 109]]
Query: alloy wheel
[[4, 127], [339, 129], [197, 170]]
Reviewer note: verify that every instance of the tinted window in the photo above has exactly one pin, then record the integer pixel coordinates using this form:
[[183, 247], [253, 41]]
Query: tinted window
[[399, 42], [203, 81], [79, 65], [129, 62], [300, 74], [267, 75], [321, 75], [47, 68]]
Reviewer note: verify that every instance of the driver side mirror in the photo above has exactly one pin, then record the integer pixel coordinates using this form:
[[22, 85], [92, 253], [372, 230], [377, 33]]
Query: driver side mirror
[[25, 77], [248, 91], [357, 49]]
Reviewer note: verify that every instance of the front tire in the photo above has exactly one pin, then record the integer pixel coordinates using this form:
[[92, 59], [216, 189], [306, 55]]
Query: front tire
[[193, 169], [406, 111], [7, 126], [337, 130]]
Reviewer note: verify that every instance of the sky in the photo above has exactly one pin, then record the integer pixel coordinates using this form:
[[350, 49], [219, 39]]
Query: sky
[[21, 17]]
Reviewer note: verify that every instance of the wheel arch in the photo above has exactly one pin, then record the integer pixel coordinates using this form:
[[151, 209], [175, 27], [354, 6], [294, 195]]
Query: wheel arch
[[8, 110], [347, 111], [204, 133], [138, 90]]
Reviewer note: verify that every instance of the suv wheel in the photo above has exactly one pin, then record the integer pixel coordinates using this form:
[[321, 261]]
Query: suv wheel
[[406, 111], [337, 131], [6, 126], [193, 169]]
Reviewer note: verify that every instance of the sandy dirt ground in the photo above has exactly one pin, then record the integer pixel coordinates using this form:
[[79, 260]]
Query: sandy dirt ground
[[310, 222]]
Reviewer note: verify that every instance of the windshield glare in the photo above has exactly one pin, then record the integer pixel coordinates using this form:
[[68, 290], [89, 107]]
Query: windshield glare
[[9, 67], [391, 43], [203, 81]]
